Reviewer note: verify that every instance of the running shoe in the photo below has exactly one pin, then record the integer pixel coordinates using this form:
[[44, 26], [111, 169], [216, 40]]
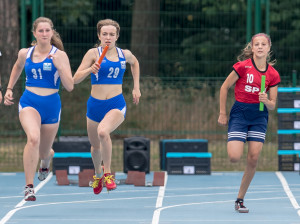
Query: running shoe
[[29, 194], [97, 184], [239, 206], [109, 182], [43, 173]]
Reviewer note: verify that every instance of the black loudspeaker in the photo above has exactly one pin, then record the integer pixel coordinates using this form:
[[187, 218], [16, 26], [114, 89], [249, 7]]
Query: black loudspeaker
[[136, 154]]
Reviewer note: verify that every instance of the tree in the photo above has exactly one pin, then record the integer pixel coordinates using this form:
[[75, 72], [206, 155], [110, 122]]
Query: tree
[[9, 37], [9, 47], [70, 13], [145, 35]]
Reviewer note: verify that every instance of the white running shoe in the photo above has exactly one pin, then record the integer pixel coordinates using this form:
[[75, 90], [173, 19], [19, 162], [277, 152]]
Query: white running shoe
[[239, 206], [29, 194], [43, 173]]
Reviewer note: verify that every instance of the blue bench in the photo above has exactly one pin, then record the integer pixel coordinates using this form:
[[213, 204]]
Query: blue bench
[[285, 161], [188, 154], [73, 162], [180, 145], [72, 155], [288, 152], [196, 162], [288, 89]]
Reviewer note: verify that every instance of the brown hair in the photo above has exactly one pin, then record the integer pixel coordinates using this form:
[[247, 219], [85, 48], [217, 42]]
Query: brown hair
[[55, 39], [247, 51], [107, 22]]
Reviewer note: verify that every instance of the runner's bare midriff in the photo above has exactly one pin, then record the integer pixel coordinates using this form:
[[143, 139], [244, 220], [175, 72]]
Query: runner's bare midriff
[[41, 91], [104, 92]]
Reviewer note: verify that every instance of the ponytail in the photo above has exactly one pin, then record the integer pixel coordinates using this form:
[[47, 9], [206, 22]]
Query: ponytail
[[246, 53], [56, 41]]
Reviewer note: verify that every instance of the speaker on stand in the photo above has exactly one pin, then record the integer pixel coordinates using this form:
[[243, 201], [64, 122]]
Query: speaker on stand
[[136, 154]]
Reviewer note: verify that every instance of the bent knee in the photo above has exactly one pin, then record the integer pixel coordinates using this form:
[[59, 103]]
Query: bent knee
[[234, 159], [103, 134], [252, 160], [33, 141]]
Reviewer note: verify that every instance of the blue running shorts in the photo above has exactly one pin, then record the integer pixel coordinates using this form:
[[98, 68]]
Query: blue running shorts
[[49, 107], [246, 122], [97, 109]]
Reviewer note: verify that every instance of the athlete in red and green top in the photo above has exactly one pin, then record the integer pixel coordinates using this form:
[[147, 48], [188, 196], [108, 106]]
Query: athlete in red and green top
[[246, 122], [249, 76]]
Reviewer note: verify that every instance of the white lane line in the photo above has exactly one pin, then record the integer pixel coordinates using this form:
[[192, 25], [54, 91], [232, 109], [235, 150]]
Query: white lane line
[[8, 174], [159, 201], [10, 213], [21, 203], [288, 190], [161, 192], [158, 210], [134, 198]]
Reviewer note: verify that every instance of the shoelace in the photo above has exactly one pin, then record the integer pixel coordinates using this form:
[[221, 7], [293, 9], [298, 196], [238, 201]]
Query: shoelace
[[241, 204], [29, 190], [95, 183], [108, 179]]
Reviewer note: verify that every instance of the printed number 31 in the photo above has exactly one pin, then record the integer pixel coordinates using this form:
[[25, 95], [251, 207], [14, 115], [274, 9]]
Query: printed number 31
[[35, 75]]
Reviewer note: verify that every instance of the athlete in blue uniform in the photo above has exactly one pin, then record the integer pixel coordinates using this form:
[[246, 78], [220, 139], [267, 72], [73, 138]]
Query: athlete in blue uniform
[[46, 65], [246, 122], [106, 107]]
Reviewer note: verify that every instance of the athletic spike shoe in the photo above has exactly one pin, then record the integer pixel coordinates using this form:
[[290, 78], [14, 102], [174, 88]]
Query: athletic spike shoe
[[239, 206], [97, 185], [29, 193], [109, 182], [43, 173]]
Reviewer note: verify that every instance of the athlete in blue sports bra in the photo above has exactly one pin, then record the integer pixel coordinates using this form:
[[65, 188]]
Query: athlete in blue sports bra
[[46, 65], [106, 107]]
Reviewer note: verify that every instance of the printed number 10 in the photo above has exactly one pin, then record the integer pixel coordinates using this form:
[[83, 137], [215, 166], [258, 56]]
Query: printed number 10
[[249, 78]]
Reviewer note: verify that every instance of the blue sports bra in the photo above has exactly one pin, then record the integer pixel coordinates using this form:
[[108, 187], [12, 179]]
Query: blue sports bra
[[110, 72], [42, 74]]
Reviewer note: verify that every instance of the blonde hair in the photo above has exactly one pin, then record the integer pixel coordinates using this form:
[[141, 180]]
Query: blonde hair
[[55, 39], [107, 22], [247, 51]]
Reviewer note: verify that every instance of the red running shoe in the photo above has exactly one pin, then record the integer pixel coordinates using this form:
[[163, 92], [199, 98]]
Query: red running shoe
[[109, 181], [97, 185]]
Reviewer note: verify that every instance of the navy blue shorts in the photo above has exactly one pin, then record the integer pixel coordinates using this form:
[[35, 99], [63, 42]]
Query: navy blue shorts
[[97, 109], [49, 107], [246, 122]]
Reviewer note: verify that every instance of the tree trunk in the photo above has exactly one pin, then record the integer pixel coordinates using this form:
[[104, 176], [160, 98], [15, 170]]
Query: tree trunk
[[145, 35], [9, 37]]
